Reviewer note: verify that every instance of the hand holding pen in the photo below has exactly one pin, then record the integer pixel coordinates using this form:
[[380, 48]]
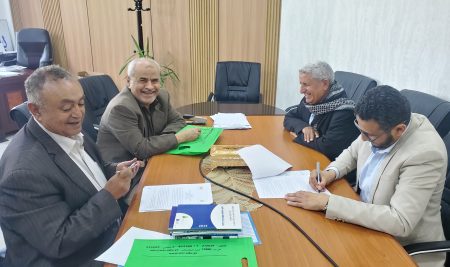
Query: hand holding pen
[[320, 179]]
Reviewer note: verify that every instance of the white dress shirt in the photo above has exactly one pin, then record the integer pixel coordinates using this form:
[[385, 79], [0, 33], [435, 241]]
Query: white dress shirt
[[74, 148]]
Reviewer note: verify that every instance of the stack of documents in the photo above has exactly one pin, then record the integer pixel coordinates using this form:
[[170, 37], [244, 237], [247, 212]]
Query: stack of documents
[[272, 180], [120, 250], [205, 220], [231, 121], [164, 197]]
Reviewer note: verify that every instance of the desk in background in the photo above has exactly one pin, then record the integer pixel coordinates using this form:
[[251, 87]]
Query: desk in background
[[12, 93], [282, 245], [210, 108]]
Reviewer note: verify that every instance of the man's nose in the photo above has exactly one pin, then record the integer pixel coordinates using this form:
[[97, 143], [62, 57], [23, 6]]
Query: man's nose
[[149, 84]]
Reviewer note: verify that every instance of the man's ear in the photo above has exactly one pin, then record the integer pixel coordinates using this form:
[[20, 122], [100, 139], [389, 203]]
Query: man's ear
[[326, 84], [34, 109], [399, 130], [128, 80]]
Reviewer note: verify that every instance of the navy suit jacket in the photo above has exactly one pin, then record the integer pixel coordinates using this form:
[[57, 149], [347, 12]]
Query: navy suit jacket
[[50, 213]]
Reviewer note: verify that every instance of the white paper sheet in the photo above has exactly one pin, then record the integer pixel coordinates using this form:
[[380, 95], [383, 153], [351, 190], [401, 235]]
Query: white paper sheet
[[119, 251], [287, 182], [230, 121], [262, 162], [163, 197]]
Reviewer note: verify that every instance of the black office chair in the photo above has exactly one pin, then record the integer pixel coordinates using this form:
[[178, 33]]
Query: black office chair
[[438, 246], [437, 110], [98, 91], [20, 114], [34, 48], [355, 85], [237, 81]]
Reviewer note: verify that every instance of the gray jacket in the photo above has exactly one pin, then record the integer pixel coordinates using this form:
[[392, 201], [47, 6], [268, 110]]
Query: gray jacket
[[125, 132]]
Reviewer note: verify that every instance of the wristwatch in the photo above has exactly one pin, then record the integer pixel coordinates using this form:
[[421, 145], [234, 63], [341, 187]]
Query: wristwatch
[[325, 207]]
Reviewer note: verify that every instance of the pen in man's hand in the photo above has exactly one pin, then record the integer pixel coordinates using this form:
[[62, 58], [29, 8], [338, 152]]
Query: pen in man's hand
[[318, 174], [133, 165]]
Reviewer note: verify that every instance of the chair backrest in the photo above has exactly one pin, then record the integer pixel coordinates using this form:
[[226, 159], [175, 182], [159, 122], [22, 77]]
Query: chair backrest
[[34, 48], [445, 203], [237, 81], [355, 85], [20, 114], [437, 110], [445, 208], [98, 91]]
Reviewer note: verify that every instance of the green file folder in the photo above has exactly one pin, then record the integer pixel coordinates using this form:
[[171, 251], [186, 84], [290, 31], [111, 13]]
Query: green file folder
[[202, 144], [192, 253]]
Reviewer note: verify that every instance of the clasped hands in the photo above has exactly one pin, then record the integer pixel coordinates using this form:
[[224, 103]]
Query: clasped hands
[[309, 134], [312, 201], [119, 184]]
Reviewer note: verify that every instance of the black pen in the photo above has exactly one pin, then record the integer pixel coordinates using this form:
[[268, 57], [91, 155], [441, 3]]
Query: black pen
[[318, 174]]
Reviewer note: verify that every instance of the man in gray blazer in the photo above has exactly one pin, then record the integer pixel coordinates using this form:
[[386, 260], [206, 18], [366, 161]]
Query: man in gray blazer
[[140, 121], [401, 163], [58, 207]]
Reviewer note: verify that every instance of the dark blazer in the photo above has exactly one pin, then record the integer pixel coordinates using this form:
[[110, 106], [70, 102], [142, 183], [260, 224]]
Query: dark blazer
[[336, 129], [51, 214]]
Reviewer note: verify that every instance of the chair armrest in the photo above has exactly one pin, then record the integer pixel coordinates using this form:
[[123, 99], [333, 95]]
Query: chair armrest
[[210, 97], [428, 247]]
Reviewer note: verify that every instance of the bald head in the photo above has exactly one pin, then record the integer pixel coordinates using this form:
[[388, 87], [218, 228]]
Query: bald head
[[141, 63]]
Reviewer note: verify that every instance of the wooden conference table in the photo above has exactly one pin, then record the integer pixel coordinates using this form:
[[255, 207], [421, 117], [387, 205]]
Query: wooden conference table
[[282, 244]]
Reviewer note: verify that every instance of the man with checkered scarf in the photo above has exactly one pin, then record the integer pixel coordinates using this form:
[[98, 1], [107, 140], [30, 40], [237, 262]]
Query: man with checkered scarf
[[323, 120]]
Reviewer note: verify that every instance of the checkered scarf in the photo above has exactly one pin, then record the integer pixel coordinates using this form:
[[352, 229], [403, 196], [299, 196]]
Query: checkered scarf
[[335, 100]]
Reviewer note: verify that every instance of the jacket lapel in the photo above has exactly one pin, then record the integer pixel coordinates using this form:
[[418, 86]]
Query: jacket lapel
[[61, 159]]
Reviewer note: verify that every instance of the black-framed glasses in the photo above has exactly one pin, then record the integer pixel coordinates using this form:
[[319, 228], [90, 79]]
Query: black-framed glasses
[[371, 138]]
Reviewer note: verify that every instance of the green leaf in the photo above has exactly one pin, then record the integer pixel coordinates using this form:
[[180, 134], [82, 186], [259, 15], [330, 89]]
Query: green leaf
[[137, 47]]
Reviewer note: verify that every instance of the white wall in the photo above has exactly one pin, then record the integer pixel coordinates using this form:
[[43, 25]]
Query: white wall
[[402, 43], [5, 13]]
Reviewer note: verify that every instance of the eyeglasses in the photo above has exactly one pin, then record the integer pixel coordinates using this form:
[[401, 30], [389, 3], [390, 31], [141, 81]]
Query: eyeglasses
[[371, 138]]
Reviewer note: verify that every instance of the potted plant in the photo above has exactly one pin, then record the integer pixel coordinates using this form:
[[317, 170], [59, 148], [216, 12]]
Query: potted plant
[[166, 71]]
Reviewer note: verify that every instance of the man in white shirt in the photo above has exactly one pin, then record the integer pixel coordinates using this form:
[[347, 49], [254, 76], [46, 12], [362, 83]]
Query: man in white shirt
[[401, 163], [58, 199]]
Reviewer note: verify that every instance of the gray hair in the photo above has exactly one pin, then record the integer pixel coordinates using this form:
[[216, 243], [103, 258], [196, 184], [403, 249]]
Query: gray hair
[[132, 64], [319, 70], [34, 84]]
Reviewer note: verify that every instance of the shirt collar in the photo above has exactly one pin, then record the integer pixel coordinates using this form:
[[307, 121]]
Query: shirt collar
[[66, 143]]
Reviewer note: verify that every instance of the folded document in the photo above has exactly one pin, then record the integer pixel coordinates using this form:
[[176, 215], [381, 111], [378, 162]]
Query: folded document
[[231, 121]]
